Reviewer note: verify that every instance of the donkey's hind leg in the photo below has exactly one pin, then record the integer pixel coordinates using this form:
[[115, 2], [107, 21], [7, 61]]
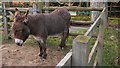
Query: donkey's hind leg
[[65, 35]]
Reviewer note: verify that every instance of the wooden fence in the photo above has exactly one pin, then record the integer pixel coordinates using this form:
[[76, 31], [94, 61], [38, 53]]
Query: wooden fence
[[74, 8], [79, 55]]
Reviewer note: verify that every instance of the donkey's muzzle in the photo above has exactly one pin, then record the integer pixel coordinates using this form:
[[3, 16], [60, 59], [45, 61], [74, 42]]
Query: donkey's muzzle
[[19, 42]]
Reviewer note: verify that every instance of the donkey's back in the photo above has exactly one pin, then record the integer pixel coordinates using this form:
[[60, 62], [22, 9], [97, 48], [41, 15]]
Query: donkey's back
[[52, 23]]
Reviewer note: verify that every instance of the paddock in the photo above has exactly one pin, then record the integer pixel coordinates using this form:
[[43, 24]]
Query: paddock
[[80, 54]]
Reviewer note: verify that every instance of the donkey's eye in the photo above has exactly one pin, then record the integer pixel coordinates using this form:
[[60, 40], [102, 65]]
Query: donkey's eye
[[21, 21], [20, 30]]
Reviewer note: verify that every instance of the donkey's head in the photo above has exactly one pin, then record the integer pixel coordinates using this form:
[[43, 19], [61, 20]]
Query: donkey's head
[[20, 29]]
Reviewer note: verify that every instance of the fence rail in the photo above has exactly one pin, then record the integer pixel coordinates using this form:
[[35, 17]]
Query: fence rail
[[100, 21], [80, 55], [66, 61], [74, 8]]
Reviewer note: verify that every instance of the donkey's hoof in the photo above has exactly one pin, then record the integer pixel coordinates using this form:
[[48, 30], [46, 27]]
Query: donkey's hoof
[[58, 49], [40, 54], [45, 56], [62, 48]]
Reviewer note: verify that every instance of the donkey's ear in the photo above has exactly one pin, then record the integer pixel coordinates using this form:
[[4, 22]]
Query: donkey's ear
[[25, 15], [16, 12]]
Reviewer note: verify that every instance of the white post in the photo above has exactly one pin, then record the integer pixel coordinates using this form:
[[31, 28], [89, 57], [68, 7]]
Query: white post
[[94, 14], [34, 7], [80, 51], [47, 5], [5, 21], [97, 4], [106, 14]]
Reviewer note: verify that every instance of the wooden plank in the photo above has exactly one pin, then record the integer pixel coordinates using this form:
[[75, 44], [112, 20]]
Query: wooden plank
[[95, 62], [5, 22], [81, 22], [13, 9], [92, 51], [66, 61], [1, 64], [74, 8], [100, 38], [11, 16], [114, 6], [113, 11], [94, 25]]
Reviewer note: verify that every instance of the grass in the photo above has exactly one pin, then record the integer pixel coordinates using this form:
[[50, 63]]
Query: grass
[[114, 21], [110, 50], [83, 18]]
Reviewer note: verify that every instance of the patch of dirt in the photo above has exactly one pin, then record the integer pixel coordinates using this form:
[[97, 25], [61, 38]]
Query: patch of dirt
[[13, 55]]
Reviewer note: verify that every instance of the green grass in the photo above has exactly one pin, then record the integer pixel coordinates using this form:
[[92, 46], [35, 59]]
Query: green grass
[[80, 31], [81, 18], [114, 21], [110, 50]]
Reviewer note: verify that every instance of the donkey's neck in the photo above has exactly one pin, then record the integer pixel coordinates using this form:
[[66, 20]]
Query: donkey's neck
[[34, 22]]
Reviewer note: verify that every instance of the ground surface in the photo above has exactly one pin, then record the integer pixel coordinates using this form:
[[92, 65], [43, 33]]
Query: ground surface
[[13, 55]]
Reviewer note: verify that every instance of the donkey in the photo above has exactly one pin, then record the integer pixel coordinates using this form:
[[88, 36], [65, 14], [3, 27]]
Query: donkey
[[41, 26]]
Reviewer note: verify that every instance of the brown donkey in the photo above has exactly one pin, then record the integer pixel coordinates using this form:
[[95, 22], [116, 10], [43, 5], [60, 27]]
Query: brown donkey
[[41, 26]]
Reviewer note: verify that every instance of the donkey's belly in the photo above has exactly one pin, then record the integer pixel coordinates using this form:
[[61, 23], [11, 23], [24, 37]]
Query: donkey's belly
[[55, 24], [56, 30]]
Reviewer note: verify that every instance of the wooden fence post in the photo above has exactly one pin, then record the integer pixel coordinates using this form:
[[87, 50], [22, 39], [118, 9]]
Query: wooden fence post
[[94, 14], [100, 39], [0, 55], [5, 21], [46, 5], [98, 4], [80, 51], [34, 7]]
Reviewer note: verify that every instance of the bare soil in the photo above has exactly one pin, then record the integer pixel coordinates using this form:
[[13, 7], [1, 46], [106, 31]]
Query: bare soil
[[13, 55]]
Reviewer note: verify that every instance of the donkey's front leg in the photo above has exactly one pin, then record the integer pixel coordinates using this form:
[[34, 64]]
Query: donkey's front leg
[[41, 50], [42, 45]]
